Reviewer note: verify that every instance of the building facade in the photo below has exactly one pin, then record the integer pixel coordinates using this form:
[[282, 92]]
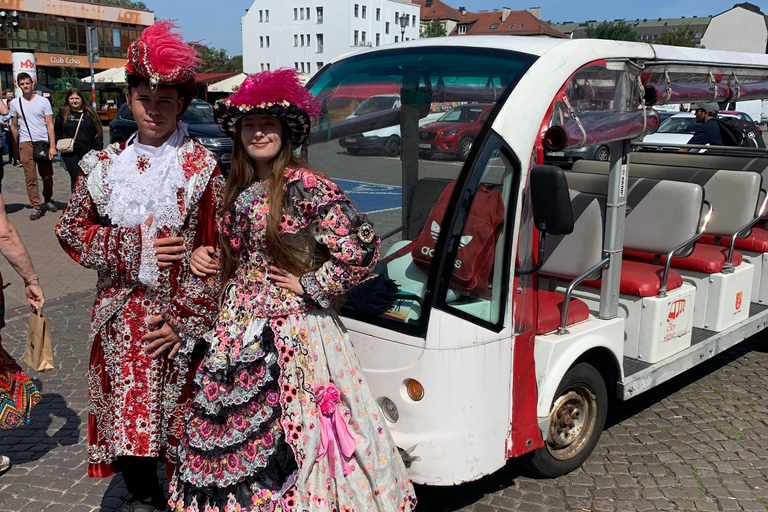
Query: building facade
[[744, 28], [307, 34], [647, 30], [55, 30]]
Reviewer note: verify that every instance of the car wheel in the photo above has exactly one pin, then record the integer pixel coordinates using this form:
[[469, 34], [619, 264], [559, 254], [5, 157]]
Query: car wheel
[[392, 146], [577, 418], [464, 147], [353, 151], [425, 155], [603, 154]]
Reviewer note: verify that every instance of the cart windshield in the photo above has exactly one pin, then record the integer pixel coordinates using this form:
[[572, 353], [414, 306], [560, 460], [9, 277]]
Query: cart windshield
[[378, 138]]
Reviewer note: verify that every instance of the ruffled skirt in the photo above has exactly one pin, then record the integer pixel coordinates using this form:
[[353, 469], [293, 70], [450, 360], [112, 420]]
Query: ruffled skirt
[[282, 419], [18, 394]]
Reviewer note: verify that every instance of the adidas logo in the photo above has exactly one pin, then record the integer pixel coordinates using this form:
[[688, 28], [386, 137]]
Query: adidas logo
[[435, 230]]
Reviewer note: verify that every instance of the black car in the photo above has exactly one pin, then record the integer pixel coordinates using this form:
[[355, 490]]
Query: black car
[[201, 126]]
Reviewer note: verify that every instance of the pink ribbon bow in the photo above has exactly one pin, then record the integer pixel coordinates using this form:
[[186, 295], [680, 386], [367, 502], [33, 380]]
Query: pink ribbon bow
[[334, 430]]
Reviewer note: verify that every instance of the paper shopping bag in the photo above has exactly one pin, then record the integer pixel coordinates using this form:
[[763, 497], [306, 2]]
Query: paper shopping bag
[[39, 353]]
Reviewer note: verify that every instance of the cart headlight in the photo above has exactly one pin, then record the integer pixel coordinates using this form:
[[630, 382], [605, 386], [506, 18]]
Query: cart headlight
[[389, 409]]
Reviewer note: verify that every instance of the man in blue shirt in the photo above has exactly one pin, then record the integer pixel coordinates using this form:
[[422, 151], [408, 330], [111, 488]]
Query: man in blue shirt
[[707, 131]]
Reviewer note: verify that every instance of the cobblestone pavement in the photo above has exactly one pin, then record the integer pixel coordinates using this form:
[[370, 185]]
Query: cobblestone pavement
[[699, 442]]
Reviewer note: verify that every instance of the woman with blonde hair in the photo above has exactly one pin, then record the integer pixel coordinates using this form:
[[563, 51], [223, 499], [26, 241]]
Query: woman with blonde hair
[[77, 120]]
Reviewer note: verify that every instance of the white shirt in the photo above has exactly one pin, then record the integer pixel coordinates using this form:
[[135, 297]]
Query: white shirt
[[35, 112]]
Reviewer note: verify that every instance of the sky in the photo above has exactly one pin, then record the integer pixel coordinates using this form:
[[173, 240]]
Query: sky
[[217, 22]]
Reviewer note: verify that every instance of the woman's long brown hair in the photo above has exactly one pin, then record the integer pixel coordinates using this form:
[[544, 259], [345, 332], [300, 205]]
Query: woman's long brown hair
[[242, 173], [87, 108]]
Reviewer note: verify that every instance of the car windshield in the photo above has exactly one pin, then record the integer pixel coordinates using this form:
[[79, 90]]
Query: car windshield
[[678, 125], [198, 113], [372, 107], [462, 115], [376, 104]]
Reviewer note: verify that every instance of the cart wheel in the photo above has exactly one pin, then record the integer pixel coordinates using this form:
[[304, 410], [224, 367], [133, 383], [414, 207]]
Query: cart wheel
[[577, 418], [392, 146]]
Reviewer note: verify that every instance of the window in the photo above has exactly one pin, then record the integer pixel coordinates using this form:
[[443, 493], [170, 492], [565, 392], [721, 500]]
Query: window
[[356, 34], [261, 16], [319, 15], [262, 66], [397, 39], [307, 9], [511, 26], [413, 21], [386, 27], [319, 42], [296, 65], [261, 41], [364, 7], [378, 39], [378, 14], [302, 39], [266, 16], [295, 40], [268, 68], [115, 37], [522, 25], [494, 26], [357, 9], [301, 13], [363, 38], [697, 35], [295, 13], [319, 65], [308, 43], [267, 41], [397, 17], [462, 29], [302, 67], [308, 68]]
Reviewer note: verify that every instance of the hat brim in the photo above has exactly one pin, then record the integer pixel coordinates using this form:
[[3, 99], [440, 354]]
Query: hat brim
[[227, 114]]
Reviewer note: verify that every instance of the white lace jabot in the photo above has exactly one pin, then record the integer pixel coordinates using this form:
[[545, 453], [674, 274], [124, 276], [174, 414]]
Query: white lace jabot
[[145, 180]]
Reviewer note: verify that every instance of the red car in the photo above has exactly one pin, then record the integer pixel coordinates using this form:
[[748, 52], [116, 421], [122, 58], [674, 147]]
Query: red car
[[743, 116], [455, 132]]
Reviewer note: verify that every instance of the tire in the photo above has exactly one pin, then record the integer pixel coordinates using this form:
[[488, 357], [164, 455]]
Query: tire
[[464, 147], [353, 151], [572, 438], [392, 146], [603, 154]]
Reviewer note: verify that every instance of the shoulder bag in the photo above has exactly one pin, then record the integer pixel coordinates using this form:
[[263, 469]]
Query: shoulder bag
[[40, 148], [68, 145]]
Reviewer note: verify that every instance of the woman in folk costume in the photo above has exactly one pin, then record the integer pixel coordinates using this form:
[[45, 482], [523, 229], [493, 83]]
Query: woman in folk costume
[[136, 215], [282, 417]]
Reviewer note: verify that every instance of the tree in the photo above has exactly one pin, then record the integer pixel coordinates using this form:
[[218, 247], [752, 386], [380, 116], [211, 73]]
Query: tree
[[616, 30], [216, 60], [680, 36], [121, 3], [434, 28]]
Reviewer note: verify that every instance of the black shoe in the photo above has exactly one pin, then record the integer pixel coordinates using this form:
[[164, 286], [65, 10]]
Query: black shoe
[[50, 206], [39, 212]]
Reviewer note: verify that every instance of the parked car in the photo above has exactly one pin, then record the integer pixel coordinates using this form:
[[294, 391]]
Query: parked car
[[454, 132], [200, 125], [679, 128], [741, 115]]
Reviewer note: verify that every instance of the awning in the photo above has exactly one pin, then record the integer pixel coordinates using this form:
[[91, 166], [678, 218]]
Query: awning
[[229, 85], [114, 76]]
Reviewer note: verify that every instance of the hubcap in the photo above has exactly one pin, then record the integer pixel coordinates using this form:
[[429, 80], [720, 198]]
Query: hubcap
[[572, 421], [466, 147]]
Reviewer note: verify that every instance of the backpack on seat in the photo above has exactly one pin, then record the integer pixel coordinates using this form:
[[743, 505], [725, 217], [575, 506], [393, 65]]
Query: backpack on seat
[[477, 246]]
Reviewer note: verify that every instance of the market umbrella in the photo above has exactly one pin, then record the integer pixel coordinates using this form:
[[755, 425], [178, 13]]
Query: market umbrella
[[229, 85], [115, 76]]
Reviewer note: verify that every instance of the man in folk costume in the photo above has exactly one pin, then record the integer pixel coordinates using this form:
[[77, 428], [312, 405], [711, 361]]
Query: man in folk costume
[[138, 211]]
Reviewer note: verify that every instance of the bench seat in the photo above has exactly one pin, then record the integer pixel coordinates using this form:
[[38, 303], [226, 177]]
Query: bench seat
[[551, 310], [757, 241], [641, 279], [707, 259]]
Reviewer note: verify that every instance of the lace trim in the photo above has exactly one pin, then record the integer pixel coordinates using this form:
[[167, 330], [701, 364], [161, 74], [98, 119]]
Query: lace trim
[[313, 290], [149, 272]]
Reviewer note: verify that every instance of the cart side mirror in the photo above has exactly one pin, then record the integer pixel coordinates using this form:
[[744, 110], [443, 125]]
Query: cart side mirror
[[551, 201]]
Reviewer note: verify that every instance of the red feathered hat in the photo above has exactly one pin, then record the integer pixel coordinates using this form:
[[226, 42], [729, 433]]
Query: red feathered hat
[[162, 57], [278, 93]]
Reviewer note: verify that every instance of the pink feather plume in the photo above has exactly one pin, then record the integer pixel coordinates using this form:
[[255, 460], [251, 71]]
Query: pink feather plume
[[167, 49], [283, 84]]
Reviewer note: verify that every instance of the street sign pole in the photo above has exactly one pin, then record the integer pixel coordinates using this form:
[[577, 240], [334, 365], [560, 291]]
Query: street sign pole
[[92, 42]]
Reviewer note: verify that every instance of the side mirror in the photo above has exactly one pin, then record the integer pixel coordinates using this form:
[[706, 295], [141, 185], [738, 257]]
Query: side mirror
[[551, 201]]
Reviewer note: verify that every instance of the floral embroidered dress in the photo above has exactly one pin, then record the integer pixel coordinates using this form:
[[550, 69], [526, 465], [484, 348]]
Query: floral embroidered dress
[[137, 402], [282, 418]]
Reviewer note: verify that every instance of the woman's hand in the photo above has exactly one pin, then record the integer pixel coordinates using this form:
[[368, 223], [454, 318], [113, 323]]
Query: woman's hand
[[286, 280], [201, 263]]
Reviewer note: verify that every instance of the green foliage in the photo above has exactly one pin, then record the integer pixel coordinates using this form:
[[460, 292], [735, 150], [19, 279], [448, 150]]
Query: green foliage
[[616, 30], [680, 36], [67, 80], [216, 60], [434, 28], [120, 3]]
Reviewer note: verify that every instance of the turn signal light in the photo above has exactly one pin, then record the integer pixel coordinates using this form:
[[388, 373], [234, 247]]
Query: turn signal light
[[414, 389]]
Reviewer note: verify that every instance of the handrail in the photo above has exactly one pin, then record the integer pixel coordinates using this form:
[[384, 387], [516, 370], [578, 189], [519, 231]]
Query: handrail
[[663, 287], [728, 268], [735, 149], [566, 304], [392, 233]]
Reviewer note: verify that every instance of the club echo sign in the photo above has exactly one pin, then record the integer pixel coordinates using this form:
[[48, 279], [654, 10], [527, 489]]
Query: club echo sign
[[65, 60]]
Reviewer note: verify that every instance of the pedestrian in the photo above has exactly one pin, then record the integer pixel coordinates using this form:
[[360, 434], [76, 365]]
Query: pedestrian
[[136, 215], [78, 121], [5, 122], [282, 418], [13, 148], [32, 122], [18, 394], [707, 130]]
